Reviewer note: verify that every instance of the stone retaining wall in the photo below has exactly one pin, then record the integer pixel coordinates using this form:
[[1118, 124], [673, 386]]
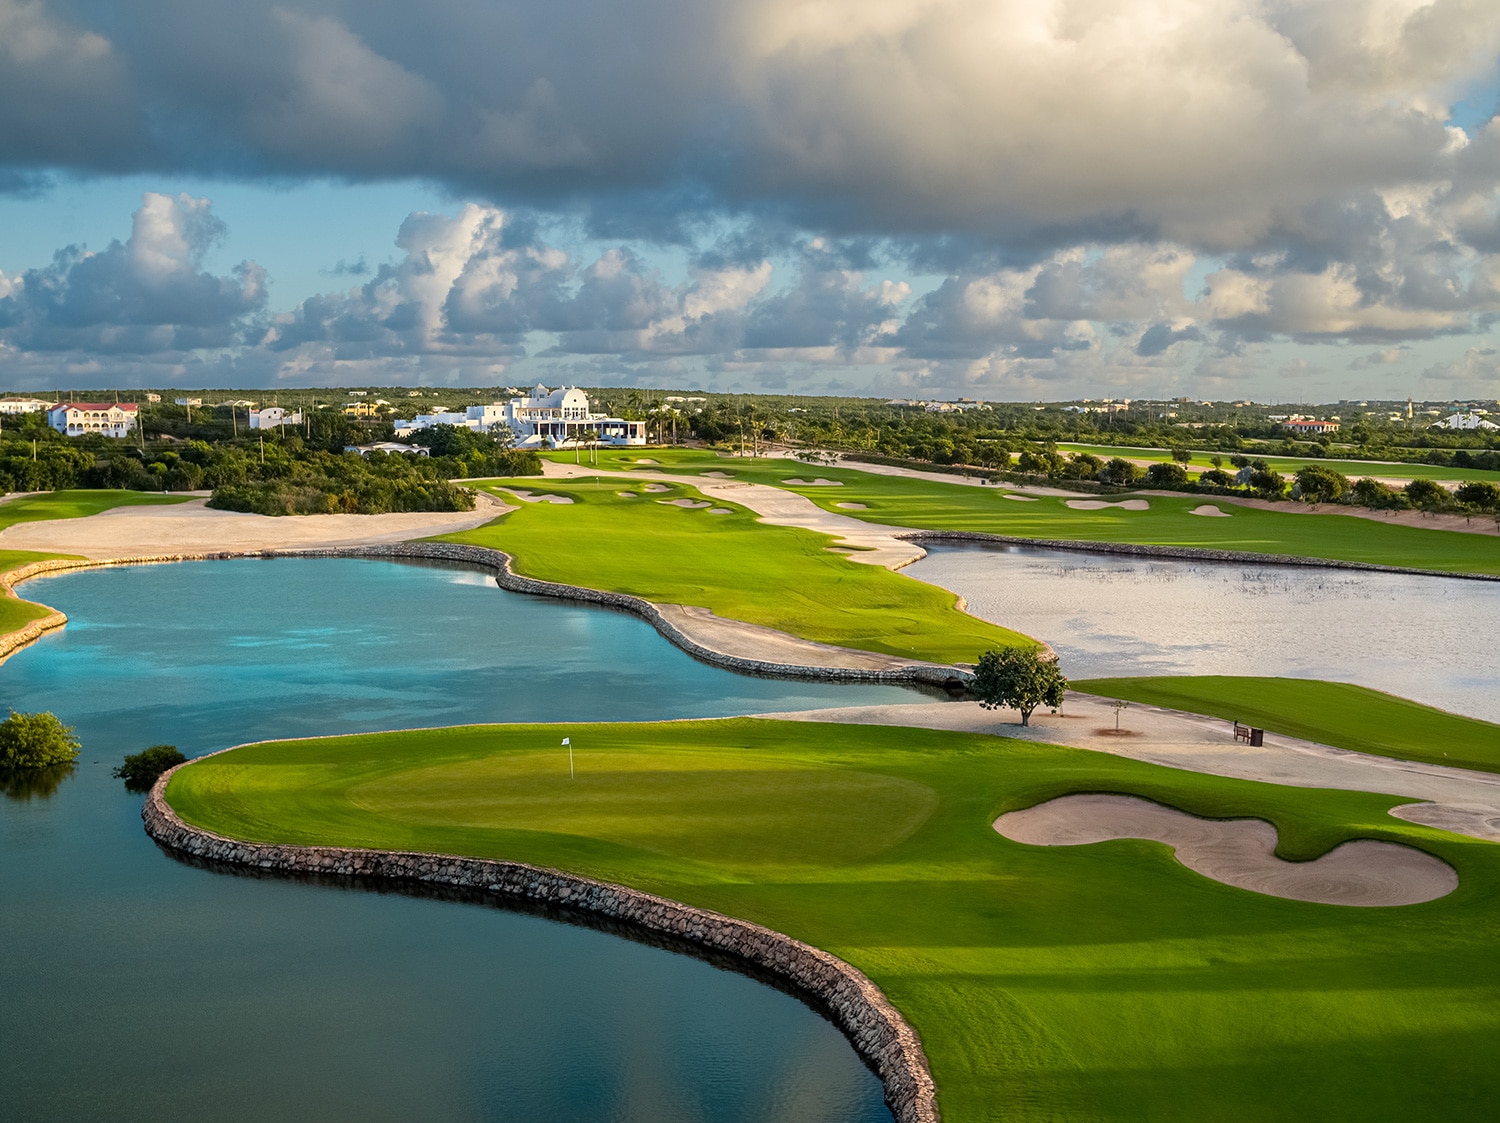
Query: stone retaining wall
[[852, 1002], [1190, 553]]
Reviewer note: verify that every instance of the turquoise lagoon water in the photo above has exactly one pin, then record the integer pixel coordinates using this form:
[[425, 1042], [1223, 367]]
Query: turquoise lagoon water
[[133, 986]]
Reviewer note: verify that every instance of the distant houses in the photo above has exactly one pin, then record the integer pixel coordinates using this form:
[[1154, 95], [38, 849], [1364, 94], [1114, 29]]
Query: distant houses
[[24, 405], [272, 416], [104, 419]]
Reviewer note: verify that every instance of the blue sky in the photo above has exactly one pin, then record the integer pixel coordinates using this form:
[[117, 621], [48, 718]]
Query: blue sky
[[992, 198]]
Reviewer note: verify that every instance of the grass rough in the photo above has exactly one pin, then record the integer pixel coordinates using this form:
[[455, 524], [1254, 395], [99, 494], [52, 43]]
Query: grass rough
[[1332, 713]]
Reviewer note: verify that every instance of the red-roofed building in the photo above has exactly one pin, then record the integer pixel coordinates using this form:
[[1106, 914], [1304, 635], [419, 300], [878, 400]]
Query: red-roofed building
[[77, 419]]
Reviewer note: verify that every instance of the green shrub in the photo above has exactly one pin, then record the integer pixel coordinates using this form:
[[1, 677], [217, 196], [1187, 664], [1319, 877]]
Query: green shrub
[[141, 770], [36, 741]]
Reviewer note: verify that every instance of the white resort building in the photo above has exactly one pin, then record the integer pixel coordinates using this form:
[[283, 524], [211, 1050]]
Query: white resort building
[[272, 416], [558, 418], [24, 405], [77, 419]]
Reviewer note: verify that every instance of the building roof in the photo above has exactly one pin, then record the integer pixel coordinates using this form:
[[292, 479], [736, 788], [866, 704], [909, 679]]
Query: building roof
[[93, 407]]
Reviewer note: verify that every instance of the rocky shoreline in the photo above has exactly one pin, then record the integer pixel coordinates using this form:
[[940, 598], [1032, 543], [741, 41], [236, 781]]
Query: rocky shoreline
[[878, 1032]]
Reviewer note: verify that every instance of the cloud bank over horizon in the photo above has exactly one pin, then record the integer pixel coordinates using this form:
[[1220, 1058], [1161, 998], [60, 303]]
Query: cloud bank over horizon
[[996, 197]]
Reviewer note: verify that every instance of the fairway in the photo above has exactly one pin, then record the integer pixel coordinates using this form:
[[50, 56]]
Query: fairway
[[1086, 982], [929, 505], [779, 577], [1331, 713]]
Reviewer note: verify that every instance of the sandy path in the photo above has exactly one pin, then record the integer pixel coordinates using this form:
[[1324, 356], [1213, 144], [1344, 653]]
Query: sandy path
[[187, 528], [754, 641], [1454, 799], [878, 544], [1239, 852]]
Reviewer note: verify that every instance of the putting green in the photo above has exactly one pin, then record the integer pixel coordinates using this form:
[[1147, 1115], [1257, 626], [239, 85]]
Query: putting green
[[779, 577], [931, 505], [1086, 982]]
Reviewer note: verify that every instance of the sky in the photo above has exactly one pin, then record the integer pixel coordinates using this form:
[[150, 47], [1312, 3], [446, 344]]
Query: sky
[[1283, 200]]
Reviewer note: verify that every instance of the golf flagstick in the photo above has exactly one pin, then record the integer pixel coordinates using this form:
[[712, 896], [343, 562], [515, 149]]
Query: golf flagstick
[[569, 742]]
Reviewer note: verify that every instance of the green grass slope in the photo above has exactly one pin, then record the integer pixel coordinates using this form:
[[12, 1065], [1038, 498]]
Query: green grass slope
[[780, 577], [75, 504], [930, 505], [1047, 983], [1333, 713]]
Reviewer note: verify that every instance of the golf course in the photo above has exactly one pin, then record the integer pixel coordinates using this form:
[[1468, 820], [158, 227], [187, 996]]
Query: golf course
[[1046, 982], [672, 546], [1167, 520]]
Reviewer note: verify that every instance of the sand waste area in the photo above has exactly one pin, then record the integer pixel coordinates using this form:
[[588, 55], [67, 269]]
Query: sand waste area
[[1239, 852], [1100, 504]]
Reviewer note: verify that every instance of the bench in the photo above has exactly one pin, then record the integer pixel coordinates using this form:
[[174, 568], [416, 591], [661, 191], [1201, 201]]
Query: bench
[[1250, 736]]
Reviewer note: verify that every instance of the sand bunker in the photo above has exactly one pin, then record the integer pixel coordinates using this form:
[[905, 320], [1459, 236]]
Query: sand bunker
[[721, 510], [1239, 852], [626, 494], [689, 503], [656, 487], [852, 506], [1100, 504], [719, 475], [819, 482], [1021, 498], [528, 497], [645, 460], [1208, 510]]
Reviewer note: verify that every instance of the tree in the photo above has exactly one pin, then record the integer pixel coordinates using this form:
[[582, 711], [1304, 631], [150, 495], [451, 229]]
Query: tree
[[1020, 678], [1482, 496], [1166, 475], [1376, 495], [1319, 484], [1426, 495], [1120, 471], [141, 770], [1182, 456], [36, 741]]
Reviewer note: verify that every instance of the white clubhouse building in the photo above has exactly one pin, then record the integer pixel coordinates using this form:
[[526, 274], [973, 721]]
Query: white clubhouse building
[[545, 418]]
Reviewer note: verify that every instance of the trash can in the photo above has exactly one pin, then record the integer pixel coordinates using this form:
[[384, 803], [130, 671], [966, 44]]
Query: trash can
[[1257, 737]]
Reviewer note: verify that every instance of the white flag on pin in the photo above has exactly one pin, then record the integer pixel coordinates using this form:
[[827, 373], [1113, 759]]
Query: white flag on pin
[[567, 740]]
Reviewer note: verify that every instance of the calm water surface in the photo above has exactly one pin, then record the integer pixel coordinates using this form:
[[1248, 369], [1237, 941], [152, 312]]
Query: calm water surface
[[134, 987], [1429, 638]]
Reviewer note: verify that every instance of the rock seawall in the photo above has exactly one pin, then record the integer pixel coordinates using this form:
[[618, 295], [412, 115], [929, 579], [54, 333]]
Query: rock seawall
[[498, 562], [851, 1001]]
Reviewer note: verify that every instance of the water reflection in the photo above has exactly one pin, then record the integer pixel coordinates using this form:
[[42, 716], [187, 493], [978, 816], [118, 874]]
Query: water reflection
[[1427, 638], [34, 783]]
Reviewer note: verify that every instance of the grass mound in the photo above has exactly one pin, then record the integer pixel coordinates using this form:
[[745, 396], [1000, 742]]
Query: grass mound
[[1088, 982], [741, 568], [1334, 713]]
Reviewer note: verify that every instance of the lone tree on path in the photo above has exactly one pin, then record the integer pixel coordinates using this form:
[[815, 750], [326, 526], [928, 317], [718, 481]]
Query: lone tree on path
[[1018, 678], [35, 741]]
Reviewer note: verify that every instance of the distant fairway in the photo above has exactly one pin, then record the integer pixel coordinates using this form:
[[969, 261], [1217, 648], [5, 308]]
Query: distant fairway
[[1288, 465], [780, 577], [76, 504], [924, 504], [1047, 983], [1332, 713]]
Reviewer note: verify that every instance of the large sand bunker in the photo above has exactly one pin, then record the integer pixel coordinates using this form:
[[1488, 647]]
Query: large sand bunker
[[1210, 511], [853, 506], [718, 475], [689, 503], [656, 487], [529, 497], [819, 482], [1239, 852], [1100, 504], [1020, 498]]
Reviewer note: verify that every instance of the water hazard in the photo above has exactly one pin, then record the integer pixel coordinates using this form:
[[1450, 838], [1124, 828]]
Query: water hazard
[[138, 987], [1427, 638]]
